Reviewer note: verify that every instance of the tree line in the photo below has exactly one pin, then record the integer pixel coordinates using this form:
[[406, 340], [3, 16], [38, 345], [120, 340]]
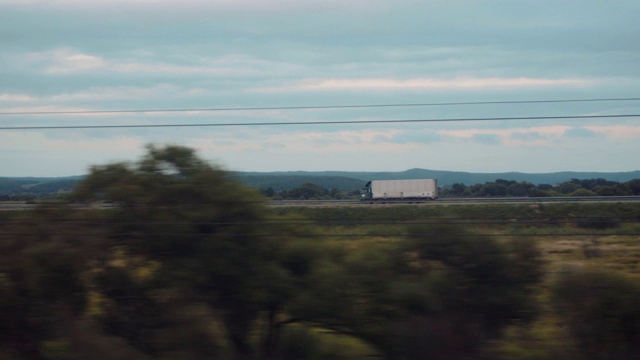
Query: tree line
[[497, 188], [311, 191], [573, 187], [191, 264]]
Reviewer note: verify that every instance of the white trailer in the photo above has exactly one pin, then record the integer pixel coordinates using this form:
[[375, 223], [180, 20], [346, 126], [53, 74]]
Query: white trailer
[[415, 189]]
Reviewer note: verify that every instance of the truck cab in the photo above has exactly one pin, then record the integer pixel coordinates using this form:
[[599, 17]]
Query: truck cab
[[366, 193]]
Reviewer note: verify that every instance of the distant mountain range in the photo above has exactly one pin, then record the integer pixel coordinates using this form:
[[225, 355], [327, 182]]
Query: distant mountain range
[[341, 180]]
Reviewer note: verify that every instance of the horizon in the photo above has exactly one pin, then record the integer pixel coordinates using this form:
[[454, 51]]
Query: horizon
[[365, 172]]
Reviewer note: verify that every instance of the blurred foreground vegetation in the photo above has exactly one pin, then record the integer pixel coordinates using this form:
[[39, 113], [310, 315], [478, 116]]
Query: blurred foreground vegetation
[[192, 265]]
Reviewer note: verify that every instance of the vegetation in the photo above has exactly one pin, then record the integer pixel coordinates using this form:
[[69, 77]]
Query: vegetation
[[309, 187], [574, 187], [191, 264]]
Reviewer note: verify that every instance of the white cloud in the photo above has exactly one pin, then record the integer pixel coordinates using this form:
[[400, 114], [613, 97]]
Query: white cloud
[[100, 94], [383, 84], [37, 141], [66, 61], [545, 135], [617, 132], [115, 93], [69, 61], [15, 97], [554, 130], [300, 141]]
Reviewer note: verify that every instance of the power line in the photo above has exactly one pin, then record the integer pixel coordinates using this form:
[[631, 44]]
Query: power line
[[319, 107], [328, 122]]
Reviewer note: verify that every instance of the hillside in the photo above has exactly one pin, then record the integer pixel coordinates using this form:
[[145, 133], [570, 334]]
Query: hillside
[[30, 187]]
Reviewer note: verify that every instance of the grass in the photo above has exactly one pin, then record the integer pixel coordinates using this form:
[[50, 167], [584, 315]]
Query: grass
[[599, 235]]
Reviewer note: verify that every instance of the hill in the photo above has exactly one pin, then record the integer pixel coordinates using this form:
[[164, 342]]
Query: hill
[[22, 188]]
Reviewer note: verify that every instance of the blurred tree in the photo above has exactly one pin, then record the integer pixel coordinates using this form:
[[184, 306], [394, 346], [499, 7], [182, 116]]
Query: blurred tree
[[479, 284], [43, 290], [438, 295], [209, 240], [601, 311], [634, 186]]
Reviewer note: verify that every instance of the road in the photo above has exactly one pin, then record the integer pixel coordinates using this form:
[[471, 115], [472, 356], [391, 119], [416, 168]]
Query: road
[[476, 200], [9, 206]]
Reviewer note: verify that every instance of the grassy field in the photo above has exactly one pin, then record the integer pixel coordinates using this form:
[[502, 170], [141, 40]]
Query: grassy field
[[589, 235], [600, 234], [595, 235]]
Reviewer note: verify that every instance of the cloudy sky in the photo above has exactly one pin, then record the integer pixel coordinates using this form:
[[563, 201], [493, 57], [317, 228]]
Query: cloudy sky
[[111, 55]]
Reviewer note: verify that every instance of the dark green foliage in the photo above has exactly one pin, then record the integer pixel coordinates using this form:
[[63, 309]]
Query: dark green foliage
[[306, 191], [209, 241], [347, 184], [442, 293], [43, 290], [602, 312], [128, 311], [298, 344], [511, 188], [189, 264], [598, 223], [483, 284]]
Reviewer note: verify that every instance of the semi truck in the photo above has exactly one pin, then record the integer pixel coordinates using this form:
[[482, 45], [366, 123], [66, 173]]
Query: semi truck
[[405, 190]]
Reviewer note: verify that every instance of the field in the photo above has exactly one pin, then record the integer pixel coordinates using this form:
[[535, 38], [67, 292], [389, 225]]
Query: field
[[327, 306], [604, 236]]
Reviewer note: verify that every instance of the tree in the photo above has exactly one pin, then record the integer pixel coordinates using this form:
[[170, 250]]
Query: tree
[[478, 286], [207, 239], [634, 186], [601, 311], [458, 189], [439, 294], [308, 191], [43, 290]]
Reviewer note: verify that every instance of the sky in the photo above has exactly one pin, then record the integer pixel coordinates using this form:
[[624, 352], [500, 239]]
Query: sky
[[285, 63]]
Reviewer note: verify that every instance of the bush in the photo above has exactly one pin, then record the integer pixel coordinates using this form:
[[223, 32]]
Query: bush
[[601, 311], [598, 223]]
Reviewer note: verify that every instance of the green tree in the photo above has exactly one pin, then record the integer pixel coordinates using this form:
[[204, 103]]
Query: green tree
[[440, 294], [481, 285], [308, 191], [458, 189], [601, 311], [634, 186], [43, 289], [569, 186], [208, 239], [585, 192]]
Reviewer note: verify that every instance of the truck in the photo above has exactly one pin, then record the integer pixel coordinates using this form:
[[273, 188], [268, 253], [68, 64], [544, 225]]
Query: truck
[[400, 190]]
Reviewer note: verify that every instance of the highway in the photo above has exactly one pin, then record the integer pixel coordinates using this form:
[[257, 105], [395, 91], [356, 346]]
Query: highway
[[12, 206], [459, 200]]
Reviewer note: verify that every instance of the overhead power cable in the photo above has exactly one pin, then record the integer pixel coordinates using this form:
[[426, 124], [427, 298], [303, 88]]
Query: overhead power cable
[[319, 107], [328, 122]]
